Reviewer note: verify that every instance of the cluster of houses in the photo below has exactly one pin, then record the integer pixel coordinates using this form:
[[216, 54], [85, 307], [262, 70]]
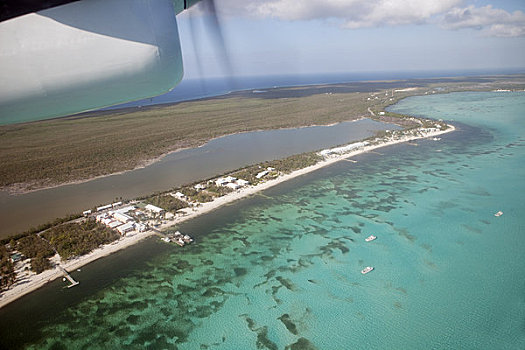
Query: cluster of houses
[[123, 222], [120, 220], [343, 149], [231, 182], [234, 183]]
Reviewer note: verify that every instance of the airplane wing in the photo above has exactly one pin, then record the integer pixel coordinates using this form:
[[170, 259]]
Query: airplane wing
[[63, 57]]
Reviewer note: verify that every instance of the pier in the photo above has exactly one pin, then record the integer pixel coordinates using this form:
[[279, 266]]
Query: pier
[[69, 278]]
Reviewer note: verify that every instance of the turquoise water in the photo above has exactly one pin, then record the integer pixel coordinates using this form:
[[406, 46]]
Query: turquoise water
[[281, 270]]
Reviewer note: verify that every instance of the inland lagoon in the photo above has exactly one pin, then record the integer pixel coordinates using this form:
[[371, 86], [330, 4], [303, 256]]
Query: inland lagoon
[[19, 212], [281, 269]]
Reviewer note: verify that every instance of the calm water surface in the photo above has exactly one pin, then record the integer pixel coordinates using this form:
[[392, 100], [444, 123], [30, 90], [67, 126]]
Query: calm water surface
[[281, 270], [18, 213]]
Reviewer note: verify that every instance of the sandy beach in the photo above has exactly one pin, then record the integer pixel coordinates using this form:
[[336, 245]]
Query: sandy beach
[[34, 281]]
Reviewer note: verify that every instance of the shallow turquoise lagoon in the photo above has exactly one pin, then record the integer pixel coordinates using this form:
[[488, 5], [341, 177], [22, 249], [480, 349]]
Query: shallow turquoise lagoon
[[281, 270]]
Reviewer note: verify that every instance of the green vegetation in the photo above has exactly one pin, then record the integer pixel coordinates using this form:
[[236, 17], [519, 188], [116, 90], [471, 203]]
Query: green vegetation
[[38, 250], [218, 191], [41, 227], [7, 272], [40, 154], [166, 202], [79, 238], [32, 246], [285, 165], [201, 196], [40, 263]]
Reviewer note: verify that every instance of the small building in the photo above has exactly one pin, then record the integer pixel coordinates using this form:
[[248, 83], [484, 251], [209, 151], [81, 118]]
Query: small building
[[123, 229], [179, 195], [106, 220], [113, 224], [104, 207], [242, 182], [125, 209], [381, 113], [233, 185], [222, 181], [199, 187], [140, 227], [99, 217], [261, 174], [123, 218], [154, 209]]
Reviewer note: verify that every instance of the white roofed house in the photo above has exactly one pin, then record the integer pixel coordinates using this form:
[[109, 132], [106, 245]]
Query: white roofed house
[[179, 195], [104, 207], [113, 224], [154, 209], [125, 209], [100, 217], [242, 182], [140, 227], [123, 229], [199, 187], [261, 174], [233, 185], [222, 181], [123, 218]]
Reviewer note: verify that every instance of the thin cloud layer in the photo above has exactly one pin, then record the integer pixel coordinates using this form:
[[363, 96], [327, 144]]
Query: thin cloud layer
[[353, 14], [494, 22]]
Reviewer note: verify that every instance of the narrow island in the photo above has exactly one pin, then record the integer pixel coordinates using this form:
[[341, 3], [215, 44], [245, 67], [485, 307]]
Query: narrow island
[[33, 258], [37, 258]]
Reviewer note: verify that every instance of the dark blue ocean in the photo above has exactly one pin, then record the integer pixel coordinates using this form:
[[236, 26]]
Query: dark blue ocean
[[191, 89]]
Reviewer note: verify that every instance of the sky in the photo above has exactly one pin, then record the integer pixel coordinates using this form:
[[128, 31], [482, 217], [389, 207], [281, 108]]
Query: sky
[[275, 37]]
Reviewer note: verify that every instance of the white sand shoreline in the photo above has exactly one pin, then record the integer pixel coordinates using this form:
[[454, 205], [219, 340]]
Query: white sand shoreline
[[34, 282]]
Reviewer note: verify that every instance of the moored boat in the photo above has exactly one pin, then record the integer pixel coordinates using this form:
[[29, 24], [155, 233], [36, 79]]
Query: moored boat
[[366, 270]]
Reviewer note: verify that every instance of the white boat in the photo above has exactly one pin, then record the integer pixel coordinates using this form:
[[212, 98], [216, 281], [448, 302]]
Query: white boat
[[499, 213], [370, 238], [366, 270]]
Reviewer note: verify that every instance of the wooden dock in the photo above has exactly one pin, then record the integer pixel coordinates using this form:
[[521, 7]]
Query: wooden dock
[[69, 278]]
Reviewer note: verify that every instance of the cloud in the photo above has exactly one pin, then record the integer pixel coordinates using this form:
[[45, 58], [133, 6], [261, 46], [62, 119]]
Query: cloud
[[493, 22], [354, 14]]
